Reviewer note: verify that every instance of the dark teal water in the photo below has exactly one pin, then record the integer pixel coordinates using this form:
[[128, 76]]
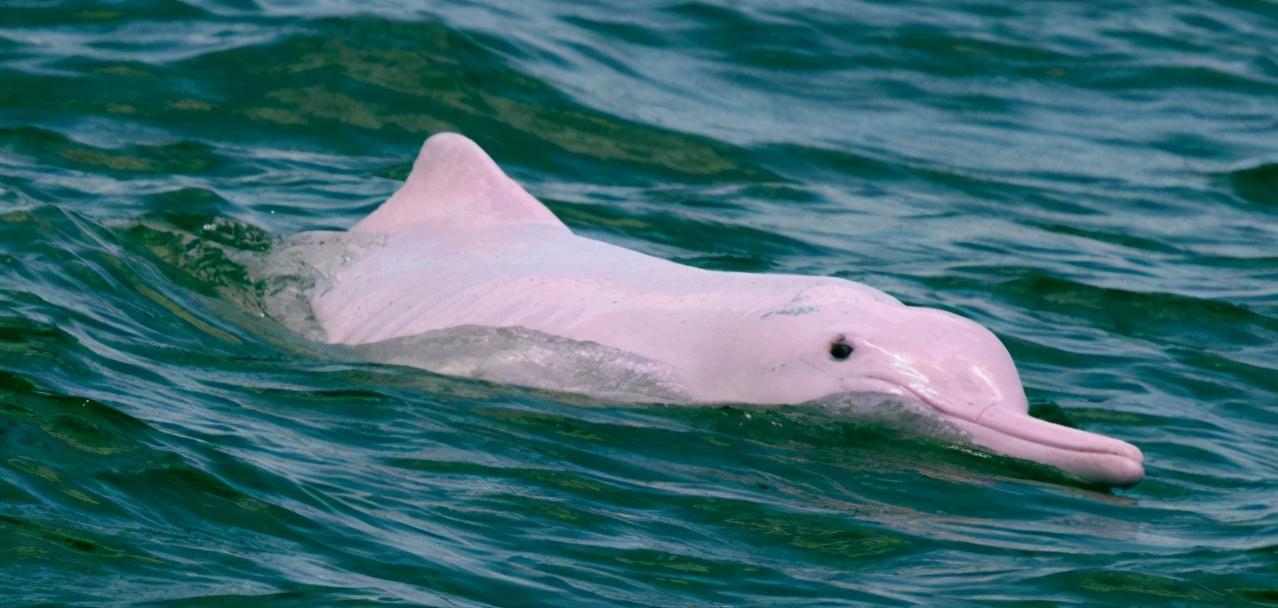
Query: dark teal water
[[1097, 183]]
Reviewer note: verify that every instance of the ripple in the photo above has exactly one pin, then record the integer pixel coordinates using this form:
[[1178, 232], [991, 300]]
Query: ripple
[[1258, 184]]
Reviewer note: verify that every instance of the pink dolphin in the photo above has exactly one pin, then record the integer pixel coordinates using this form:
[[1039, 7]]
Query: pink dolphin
[[461, 245]]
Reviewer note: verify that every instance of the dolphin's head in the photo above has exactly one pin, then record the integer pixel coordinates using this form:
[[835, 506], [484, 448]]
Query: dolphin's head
[[844, 337]]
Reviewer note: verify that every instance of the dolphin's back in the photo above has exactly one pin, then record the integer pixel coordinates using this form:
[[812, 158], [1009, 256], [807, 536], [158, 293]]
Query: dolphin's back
[[436, 275], [462, 244]]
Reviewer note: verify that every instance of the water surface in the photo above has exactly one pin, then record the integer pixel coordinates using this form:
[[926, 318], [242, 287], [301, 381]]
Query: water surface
[[1097, 183]]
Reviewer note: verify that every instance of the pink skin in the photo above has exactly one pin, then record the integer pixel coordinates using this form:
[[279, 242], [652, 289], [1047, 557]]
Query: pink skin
[[465, 245]]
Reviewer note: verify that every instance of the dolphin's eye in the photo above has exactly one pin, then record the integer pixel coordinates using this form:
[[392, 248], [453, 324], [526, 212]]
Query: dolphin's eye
[[840, 350]]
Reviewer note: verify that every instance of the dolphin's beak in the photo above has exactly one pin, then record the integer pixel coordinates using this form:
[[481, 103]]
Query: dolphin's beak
[[1087, 456]]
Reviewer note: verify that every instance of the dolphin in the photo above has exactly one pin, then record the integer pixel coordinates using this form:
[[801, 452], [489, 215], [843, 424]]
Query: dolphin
[[462, 246]]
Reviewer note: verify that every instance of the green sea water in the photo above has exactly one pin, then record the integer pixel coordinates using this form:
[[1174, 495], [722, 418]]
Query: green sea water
[[1095, 182]]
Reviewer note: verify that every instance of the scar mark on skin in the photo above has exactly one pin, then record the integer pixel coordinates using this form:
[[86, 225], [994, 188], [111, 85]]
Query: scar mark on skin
[[791, 312]]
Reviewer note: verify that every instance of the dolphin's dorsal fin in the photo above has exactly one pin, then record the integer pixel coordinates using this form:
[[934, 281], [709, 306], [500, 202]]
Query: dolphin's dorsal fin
[[453, 179]]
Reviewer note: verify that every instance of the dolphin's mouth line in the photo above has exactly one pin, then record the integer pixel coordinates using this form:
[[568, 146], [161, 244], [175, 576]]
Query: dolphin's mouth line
[[1082, 454]]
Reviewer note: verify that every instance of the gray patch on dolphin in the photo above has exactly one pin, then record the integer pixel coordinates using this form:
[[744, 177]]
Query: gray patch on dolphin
[[300, 266], [515, 355], [790, 312]]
